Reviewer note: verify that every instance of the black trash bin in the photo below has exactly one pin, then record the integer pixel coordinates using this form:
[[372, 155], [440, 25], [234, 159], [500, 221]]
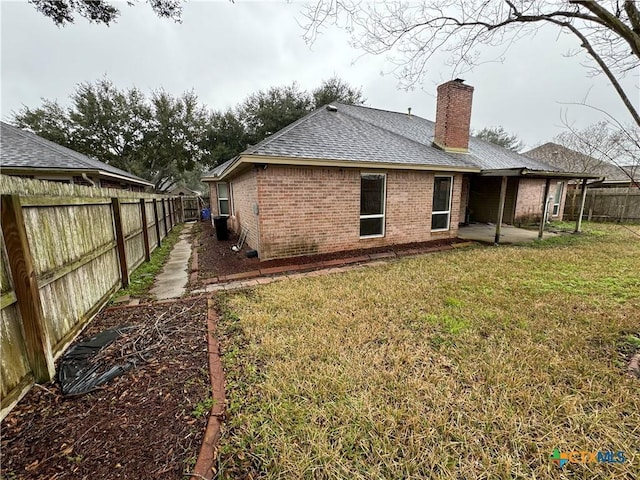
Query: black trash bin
[[220, 224]]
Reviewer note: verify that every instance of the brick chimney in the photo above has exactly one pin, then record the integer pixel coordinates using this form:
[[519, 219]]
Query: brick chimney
[[453, 116]]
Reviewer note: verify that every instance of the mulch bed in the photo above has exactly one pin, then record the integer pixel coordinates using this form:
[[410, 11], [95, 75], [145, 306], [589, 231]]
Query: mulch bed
[[215, 257], [147, 423]]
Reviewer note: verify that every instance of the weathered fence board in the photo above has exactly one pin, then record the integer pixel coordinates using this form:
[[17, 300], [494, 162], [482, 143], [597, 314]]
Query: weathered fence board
[[79, 242], [605, 204]]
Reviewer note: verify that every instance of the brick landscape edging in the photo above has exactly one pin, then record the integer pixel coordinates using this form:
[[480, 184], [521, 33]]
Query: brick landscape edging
[[317, 266], [208, 450]]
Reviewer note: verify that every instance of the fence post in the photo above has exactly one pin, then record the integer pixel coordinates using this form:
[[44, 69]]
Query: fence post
[[181, 209], [164, 218], [122, 251], [145, 229], [155, 215], [36, 335], [171, 222]]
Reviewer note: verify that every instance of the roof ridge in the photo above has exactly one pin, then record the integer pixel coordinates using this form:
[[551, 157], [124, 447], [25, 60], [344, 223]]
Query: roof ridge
[[422, 145]]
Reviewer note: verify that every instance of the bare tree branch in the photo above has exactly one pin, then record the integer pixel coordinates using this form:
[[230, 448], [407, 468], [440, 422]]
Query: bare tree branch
[[413, 33]]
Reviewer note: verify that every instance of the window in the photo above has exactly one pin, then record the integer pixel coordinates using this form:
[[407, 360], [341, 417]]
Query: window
[[223, 199], [372, 199], [441, 209], [557, 199]]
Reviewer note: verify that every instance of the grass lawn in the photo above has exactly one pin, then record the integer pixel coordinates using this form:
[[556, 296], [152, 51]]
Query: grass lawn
[[474, 363]]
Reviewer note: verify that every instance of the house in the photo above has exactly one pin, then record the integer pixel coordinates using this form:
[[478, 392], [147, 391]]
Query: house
[[615, 195], [610, 176], [184, 192], [349, 177], [25, 154]]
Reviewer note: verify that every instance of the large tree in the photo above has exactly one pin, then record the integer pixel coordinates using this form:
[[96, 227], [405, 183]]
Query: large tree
[[267, 111], [158, 138], [335, 89], [225, 137], [608, 32], [99, 11], [500, 136]]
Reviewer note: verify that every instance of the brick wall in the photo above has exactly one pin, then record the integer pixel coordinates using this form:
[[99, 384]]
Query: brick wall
[[453, 116], [244, 201], [309, 210], [530, 200]]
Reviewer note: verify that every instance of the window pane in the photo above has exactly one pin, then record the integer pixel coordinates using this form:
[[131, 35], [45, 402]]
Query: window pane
[[371, 226], [223, 190], [371, 194], [558, 194], [441, 194], [224, 207], [439, 221]]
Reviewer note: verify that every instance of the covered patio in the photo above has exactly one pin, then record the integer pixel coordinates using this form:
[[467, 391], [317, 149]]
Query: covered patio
[[485, 233], [500, 211]]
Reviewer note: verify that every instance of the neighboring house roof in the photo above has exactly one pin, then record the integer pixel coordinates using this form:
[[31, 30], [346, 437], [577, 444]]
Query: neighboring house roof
[[566, 158], [22, 150], [363, 134]]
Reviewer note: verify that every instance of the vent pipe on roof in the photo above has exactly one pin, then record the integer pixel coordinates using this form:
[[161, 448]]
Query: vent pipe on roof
[[332, 108], [409, 111]]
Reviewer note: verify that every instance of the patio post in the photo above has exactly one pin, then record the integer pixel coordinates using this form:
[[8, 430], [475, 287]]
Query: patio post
[[545, 205], [583, 197], [503, 196]]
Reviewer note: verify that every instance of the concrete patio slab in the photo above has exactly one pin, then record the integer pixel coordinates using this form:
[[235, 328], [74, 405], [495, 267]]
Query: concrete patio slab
[[485, 232]]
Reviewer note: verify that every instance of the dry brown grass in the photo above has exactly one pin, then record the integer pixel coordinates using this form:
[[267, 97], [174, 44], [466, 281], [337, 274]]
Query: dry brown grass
[[465, 364]]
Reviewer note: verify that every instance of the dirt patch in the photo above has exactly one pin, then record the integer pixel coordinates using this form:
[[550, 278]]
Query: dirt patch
[[215, 257], [148, 423]]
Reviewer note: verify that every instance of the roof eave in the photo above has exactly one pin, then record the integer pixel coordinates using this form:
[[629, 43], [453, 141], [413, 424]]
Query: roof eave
[[73, 171], [323, 162], [526, 172]]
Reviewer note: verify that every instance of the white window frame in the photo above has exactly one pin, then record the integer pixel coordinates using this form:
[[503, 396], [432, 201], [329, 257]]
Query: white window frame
[[448, 212], [384, 205], [224, 198], [555, 211]]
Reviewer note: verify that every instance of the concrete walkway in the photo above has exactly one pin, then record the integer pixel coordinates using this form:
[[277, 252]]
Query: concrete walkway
[[485, 232], [172, 281]]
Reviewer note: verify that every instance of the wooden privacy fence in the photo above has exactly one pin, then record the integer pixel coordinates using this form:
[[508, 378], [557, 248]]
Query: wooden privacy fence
[[65, 250], [605, 204]]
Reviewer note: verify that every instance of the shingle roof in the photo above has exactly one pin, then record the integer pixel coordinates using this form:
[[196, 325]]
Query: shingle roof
[[368, 134], [25, 150], [563, 157]]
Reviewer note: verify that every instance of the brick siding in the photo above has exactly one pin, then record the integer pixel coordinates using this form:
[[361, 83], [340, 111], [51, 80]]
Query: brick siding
[[530, 200], [309, 210], [243, 195]]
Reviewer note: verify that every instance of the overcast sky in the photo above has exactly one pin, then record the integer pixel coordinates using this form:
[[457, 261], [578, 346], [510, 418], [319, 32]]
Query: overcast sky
[[225, 51]]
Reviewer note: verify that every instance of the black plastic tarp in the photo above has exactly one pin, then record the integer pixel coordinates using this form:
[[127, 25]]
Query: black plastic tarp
[[79, 372]]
